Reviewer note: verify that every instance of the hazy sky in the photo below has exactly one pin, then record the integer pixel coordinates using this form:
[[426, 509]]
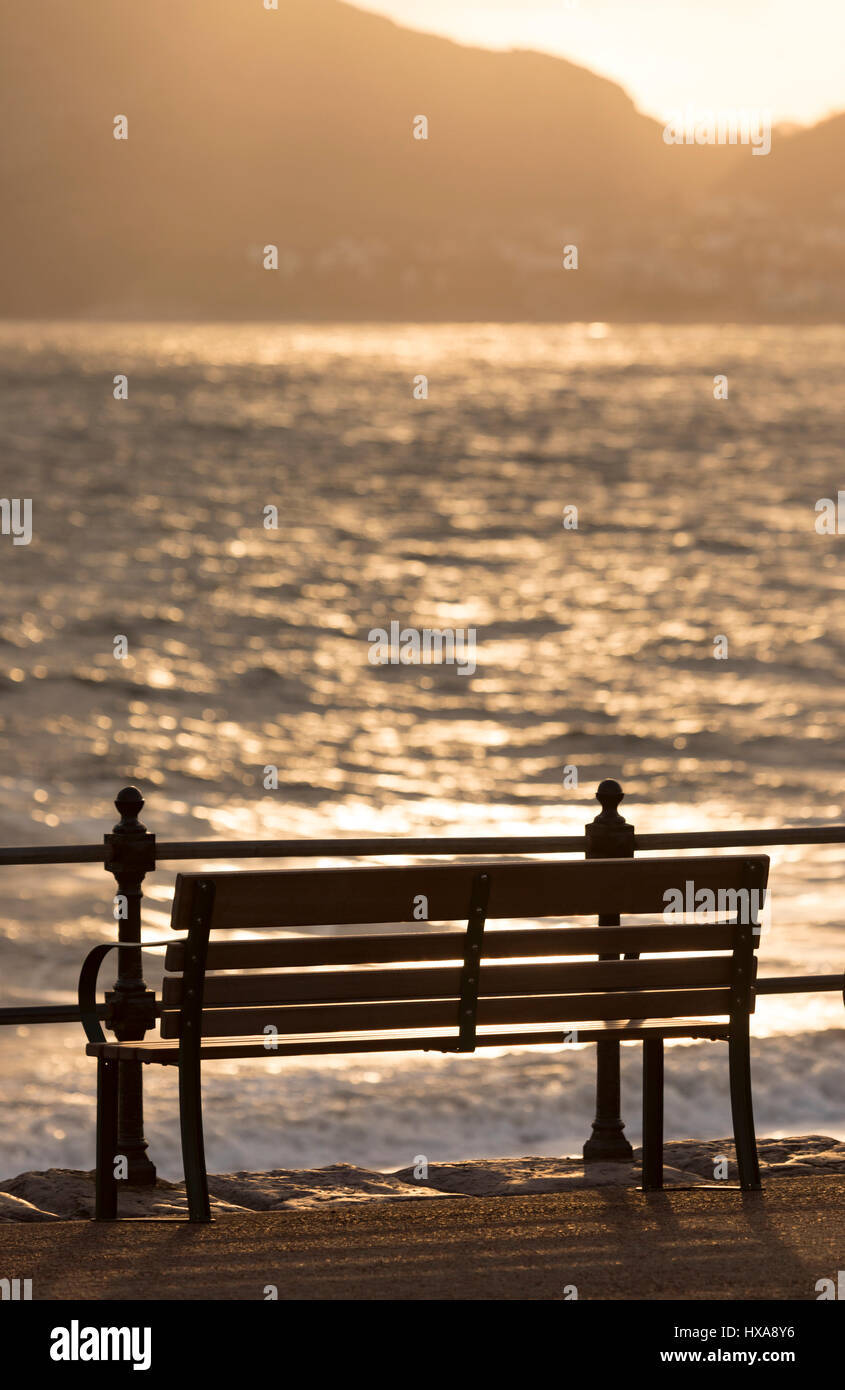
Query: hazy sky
[[783, 55]]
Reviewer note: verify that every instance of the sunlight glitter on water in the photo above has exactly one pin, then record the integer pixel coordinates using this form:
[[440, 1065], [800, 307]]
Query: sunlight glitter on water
[[249, 646]]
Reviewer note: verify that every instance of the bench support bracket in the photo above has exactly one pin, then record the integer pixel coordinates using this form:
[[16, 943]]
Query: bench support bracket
[[468, 1007]]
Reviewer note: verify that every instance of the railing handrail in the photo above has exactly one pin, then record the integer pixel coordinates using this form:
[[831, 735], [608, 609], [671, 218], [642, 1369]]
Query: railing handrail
[[163, 850], [27, 1014]]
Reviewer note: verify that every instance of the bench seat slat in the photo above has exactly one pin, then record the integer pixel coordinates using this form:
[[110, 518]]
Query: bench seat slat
[[444, 982], [568, 1008], [167, 1053], [528, 888], [381, 949]]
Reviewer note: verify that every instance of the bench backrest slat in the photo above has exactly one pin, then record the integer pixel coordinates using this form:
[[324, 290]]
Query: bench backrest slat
[[439, 1013], [387, 948], [443, 982], [325, 897]]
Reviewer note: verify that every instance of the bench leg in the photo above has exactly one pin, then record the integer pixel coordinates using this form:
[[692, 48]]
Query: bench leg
[[739, 1054], [193, 1149], [652, 1115], [105, 1201]]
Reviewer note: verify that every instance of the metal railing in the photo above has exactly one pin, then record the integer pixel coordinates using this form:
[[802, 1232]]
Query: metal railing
[[130, 851]]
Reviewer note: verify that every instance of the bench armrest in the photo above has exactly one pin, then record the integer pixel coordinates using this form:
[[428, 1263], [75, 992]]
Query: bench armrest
[[87, 988]]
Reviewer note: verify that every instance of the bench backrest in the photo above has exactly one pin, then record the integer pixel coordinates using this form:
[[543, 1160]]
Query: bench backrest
[[315, 984]]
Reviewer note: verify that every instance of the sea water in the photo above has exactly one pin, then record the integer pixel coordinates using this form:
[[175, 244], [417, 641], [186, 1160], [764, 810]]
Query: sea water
[[685, 636]]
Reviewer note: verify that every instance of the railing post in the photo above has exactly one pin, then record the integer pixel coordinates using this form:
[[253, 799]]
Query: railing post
[[130, 852], [609, 836]]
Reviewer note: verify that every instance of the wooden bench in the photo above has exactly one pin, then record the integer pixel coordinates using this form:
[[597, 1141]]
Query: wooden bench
[[446, 991]]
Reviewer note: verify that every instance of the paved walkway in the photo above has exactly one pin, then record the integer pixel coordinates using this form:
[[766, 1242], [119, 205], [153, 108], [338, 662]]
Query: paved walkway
[[609, 1242]]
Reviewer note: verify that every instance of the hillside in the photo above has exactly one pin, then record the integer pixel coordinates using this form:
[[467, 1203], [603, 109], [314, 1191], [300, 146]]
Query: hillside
[[294, 127]]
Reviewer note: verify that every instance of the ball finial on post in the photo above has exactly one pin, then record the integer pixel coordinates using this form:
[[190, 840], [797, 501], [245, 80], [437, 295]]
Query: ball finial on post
[[608, 795], [129, 803]]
